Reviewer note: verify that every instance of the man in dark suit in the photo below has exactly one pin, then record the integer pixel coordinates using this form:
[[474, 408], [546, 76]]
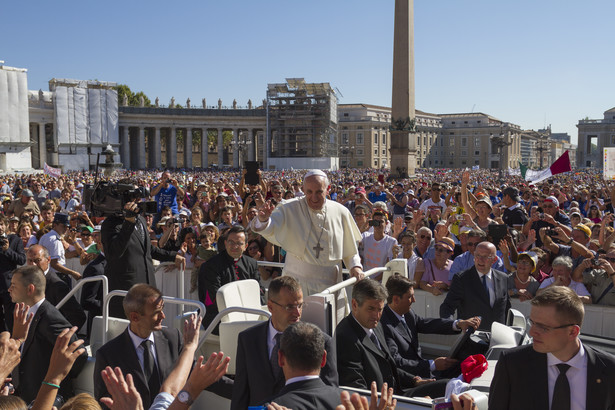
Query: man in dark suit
[[258, 376], [28, 286], [12, 255], [91, 293], [402, 326], [144, 349], [55, 288], [557, 371], [363, 355], [226, 267], [479, 291], [301, 356], [129, 253]]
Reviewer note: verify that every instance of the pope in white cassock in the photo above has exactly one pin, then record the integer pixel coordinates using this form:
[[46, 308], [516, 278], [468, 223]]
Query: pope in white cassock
[[317, 234]]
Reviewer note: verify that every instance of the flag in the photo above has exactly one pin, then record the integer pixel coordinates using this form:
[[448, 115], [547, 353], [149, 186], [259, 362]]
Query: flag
[[562, 164], [52, 172], [475, 167], [523, 170]]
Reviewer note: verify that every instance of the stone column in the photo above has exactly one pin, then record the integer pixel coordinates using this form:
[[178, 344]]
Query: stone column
[[236, 148], [125, 148], [42, 145], [188, 148], [204, 146], [220, 148], [141, 161], [252, 148], [172, 149], [403, 143], [155, 150]]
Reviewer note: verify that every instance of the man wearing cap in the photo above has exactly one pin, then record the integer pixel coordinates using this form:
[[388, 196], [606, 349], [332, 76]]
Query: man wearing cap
[[53, 241], [413, 203], [40, 193], [575, 246], [376, 194], [318, 234], [514, 215], [358, 198], [550, 218], [26, 201]]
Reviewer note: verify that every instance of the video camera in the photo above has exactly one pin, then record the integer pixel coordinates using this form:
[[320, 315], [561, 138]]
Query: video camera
[[108, 199]]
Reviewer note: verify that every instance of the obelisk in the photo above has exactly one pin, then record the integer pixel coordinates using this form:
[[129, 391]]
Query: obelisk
[[403, 142]]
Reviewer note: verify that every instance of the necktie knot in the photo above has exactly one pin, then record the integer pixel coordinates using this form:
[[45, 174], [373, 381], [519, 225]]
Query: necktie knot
[[563, 367]]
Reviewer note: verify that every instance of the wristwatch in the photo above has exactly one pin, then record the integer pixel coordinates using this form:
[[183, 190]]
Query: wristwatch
[[185, 398]]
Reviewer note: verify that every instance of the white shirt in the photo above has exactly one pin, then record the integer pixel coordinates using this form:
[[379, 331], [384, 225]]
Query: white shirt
[[137, 340], [578, 287], [577, 378], [301, 378], [52, 241], [271, 338], [490, 285]]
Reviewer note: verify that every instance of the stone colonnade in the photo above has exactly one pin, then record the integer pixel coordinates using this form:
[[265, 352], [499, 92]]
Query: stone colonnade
[[136, 154]]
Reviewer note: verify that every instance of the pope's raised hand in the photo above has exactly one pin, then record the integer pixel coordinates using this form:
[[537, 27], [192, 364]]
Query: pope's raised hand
[[264, 211]]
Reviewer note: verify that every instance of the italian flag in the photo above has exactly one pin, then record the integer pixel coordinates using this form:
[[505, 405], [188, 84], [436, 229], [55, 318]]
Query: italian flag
[[561, 165]]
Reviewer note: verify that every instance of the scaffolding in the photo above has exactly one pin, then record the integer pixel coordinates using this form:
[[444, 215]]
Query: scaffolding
[[302, 119]]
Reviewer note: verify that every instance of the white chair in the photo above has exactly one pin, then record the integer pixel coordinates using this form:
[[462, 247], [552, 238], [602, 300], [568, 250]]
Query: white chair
[[241, 293]]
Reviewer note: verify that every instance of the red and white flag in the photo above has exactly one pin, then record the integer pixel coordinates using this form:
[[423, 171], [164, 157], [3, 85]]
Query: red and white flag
[[562, 164]]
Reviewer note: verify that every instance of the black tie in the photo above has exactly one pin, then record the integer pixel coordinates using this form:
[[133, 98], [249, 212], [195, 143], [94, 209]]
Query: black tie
[[274, 356], [561, 392], [374, 339], [150, 370]]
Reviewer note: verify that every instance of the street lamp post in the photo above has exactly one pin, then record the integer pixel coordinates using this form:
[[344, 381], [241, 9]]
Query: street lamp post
[[500, 142], [346, 150], [542, 148], [240, 144]]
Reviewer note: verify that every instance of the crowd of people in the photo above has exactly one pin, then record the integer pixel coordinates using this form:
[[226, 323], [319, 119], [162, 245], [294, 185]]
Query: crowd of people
[[469, 236]]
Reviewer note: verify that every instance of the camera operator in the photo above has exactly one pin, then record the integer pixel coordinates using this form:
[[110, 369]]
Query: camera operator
[[598, 276], [129, 253], [165, 193], [11, 255]]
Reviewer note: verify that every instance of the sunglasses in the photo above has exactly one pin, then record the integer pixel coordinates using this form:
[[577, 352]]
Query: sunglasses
[[425, 237], [439, 249], [473, 243]]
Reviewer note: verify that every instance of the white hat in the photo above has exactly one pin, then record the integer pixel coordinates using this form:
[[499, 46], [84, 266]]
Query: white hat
[[315, 172]]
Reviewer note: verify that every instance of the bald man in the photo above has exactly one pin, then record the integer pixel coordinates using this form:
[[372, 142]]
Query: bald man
[[479, 291]]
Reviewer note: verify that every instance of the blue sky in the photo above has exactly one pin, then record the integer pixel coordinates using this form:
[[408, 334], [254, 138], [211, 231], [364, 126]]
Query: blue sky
[[532, 63]]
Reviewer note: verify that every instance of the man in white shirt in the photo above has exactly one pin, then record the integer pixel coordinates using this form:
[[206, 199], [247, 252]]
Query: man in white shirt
[[53, 241], [435, 201], [557, 371]]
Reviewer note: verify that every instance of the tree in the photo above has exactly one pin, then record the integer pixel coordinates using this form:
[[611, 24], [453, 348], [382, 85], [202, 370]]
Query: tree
[[133, 99]]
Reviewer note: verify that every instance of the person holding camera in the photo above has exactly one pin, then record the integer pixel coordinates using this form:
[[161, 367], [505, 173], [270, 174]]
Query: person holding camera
[[575, 246], [377, 246], [165, 193], [551, 217], [598, 276], [129, 253]]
